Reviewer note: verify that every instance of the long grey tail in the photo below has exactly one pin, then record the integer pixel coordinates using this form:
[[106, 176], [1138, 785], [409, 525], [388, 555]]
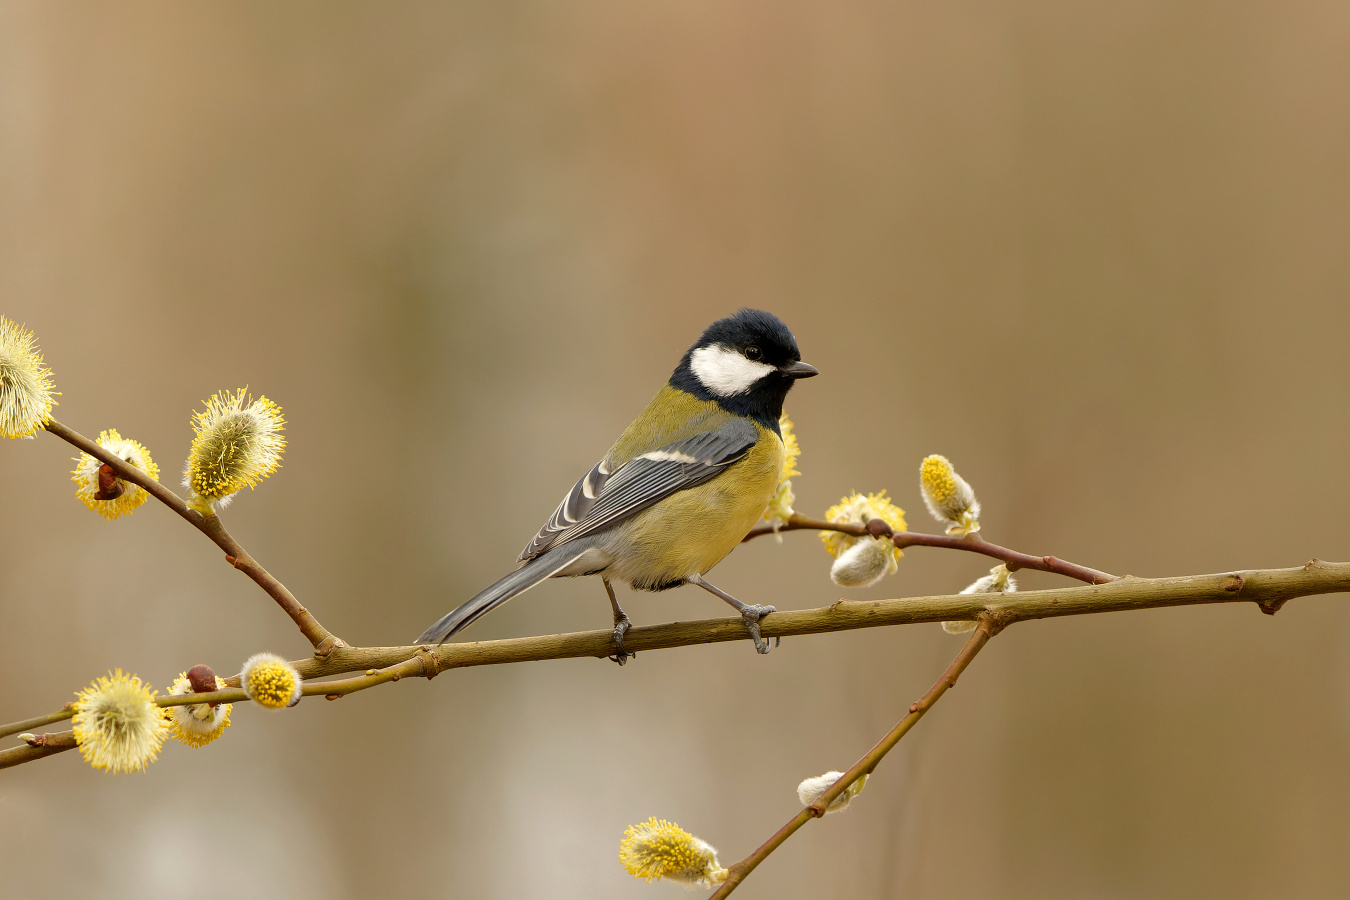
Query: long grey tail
[[493, 596]]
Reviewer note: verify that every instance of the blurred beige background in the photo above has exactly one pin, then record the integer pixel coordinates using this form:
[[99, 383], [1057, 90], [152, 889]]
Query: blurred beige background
[[1096, 254]]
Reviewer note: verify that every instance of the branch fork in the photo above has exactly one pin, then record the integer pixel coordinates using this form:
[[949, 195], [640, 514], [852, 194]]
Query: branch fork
[[323, 641]]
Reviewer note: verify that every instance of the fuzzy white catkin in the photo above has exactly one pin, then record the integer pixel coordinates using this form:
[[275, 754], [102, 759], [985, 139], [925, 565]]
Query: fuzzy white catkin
[[865, 563], [810, 790], [948, 496], [998, 581]]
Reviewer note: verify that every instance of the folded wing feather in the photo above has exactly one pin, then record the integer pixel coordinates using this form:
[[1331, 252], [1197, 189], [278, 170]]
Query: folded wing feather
[[603, 498]]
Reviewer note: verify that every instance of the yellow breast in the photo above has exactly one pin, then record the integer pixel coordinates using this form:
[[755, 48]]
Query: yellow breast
[[691, 531]]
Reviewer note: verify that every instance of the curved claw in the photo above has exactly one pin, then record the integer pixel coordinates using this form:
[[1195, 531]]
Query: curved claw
[[620, 629], [753, 615]]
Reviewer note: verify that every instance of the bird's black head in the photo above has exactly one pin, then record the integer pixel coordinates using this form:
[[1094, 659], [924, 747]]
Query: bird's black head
[[747, 363]]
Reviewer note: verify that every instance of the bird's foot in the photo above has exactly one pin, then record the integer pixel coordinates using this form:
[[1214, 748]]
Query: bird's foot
[[753, 615], [621, 627]]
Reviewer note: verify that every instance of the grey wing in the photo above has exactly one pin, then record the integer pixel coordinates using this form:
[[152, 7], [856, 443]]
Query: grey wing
[[572, 510], [604, 498]]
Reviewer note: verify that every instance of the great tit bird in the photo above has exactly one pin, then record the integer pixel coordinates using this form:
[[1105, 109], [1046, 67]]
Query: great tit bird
[[680, 487]]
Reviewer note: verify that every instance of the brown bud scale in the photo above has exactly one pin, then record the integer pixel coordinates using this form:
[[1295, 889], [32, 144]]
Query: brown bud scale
[[109, 487]]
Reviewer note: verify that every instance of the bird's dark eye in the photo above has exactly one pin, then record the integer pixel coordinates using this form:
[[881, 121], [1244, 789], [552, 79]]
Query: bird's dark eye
[[753, 352]]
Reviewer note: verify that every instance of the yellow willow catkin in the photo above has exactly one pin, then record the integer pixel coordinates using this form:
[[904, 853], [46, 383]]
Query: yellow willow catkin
[[237, 443], [659, 849], [948, 497], [25, 383]]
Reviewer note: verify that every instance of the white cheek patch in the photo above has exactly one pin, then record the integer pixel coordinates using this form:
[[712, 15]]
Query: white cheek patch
[[724, 371]]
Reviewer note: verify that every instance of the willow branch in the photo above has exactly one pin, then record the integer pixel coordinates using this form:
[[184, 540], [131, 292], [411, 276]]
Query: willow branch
[[42, 746], [972, 543], [1269, 589], [323, 640], [737, 872]]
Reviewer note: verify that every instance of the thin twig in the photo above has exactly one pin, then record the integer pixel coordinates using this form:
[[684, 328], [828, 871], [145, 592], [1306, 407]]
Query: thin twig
[[60, 715], [50, 744], [972, 543], [986, 629], [1269, 589], [323, 640]]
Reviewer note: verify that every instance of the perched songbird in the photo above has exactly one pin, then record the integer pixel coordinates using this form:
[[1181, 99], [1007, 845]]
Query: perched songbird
[[680, 487]]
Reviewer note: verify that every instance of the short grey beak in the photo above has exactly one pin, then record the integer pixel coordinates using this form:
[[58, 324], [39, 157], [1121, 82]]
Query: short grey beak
[[799, 369]]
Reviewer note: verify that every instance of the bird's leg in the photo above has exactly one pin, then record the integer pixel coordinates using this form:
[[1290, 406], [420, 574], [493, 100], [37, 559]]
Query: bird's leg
[[621, 624], [752, 615]]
